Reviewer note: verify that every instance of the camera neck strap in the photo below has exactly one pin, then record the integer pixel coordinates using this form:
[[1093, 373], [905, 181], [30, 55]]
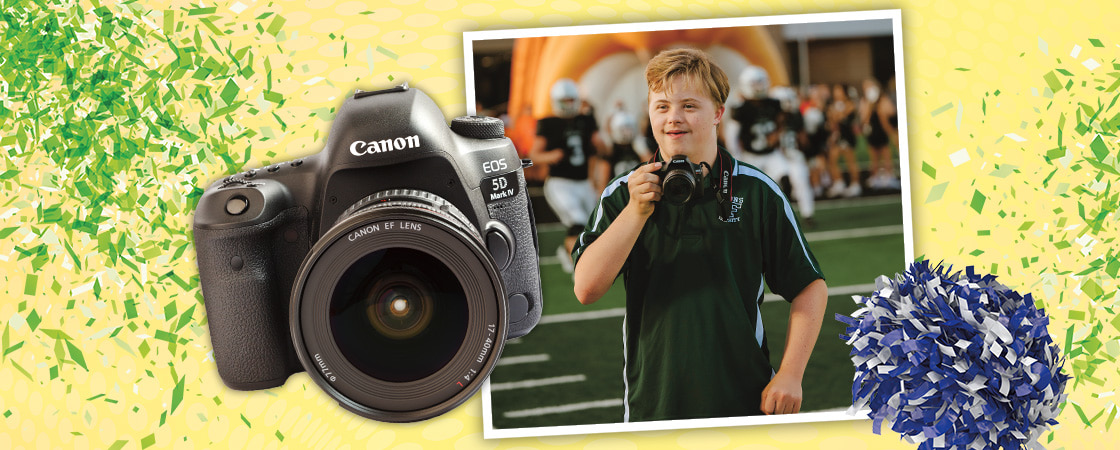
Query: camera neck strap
[[721, 183]]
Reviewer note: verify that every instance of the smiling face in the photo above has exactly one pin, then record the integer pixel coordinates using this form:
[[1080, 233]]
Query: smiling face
[[684, 118]]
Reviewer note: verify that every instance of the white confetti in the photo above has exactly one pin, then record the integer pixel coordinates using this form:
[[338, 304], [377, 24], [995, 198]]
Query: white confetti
[[1076, 51], [959, 157], [1015, 137], [313, 80], [238, 7], [1091, 64]]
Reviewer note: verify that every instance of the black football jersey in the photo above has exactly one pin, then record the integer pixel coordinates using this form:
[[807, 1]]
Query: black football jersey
[[573, 136], [623, 159], [758, 120]]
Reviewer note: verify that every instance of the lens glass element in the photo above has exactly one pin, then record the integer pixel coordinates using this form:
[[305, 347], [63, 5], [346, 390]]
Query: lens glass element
[[677, 187], [398, 314]]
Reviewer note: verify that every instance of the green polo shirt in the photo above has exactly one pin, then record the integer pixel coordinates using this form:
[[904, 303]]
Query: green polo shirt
[[695, 345]]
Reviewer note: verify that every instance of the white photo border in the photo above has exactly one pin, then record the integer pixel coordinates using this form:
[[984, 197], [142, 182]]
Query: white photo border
[[894, 15]]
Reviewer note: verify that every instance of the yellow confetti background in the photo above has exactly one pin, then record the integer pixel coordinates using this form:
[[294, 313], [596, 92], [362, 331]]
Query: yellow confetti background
[[956, 53]]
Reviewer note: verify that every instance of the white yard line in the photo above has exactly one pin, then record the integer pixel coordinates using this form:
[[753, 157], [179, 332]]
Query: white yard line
[[523, 359], [525, 384], [615, 402], [865, 289], [862, 289], [583, 315], [822, 205], [831, 235], [813, 236]]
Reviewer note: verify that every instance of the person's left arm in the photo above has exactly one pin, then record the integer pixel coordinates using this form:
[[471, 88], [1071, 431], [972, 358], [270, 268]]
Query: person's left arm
[[783, 394], [794, 273]]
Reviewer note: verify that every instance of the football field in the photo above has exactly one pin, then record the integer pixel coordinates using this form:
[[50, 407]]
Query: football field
[[568, 370]]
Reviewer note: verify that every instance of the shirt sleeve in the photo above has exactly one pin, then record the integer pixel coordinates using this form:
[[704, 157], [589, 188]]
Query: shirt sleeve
[[543, 126], [614, 198], [790, 264]]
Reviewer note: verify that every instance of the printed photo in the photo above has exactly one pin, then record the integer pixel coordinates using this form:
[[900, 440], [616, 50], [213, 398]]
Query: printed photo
[[708, 195]]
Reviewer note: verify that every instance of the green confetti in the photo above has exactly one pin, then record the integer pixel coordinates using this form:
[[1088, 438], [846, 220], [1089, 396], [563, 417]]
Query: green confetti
[[177, 394], [936, 192], [978, 200], [229, 92], [118, 445], [1052, 81], [1081, 414], [1092, 289], [243, 419], [76, 355], [279, 435], [165, 336], [33, 320], [386, 52], [22, 370], [929, 170], [1096, 42], [276, 25], [941, 109], [130, 309], [30, 283], [1100, 150]]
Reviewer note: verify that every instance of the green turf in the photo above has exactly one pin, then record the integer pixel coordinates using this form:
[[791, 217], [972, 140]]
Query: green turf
[[593, 348]]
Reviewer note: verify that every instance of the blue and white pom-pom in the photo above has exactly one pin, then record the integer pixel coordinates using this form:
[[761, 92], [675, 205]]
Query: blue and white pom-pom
[[954, 361]]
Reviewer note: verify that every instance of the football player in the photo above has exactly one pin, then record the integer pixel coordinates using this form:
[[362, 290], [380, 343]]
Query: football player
[[623, 132], [755, 133], [566, 142], [791, 139]]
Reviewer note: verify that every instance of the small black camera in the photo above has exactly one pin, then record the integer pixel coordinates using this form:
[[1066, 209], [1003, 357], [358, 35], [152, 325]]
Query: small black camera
[[391, 266], [680, 180]]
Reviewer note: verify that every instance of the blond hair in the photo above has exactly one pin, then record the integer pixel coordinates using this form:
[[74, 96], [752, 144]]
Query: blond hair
[[691, 63]]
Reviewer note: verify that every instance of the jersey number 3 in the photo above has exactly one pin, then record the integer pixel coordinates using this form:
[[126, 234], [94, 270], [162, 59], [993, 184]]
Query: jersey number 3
[[575, 143]]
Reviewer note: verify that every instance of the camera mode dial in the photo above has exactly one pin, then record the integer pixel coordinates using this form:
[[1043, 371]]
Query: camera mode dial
[[479, 127]]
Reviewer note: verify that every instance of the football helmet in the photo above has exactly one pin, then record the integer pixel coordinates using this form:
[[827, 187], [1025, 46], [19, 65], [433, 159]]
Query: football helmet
[[787, 96], [565, 98], [623, 127], [754, 82]]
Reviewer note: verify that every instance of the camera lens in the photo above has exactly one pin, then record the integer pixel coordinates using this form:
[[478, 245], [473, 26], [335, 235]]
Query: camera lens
[[677, 187], [398, 312]]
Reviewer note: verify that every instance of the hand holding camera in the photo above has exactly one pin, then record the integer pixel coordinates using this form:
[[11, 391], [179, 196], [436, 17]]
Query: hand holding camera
[[677, 181], [645, 188], [391, 266]]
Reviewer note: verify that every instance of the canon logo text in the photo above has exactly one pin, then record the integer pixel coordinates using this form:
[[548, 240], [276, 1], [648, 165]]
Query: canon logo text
[[360, 148]]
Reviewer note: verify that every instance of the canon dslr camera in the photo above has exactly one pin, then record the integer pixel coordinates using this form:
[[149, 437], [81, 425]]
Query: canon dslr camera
[[391, 266], [680, 180]]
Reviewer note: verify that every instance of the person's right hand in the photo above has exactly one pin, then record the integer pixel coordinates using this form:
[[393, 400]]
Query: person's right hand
[[645, 188]]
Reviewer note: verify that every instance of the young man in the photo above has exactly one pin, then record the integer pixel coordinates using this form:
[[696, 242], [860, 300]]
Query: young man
[[694, 339]]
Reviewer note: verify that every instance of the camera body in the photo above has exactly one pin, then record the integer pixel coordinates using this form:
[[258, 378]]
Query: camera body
[[338, 262], [680, 180]]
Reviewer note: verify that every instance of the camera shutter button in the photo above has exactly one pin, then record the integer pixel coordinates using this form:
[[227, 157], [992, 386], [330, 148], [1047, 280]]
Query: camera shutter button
[[499, 248], [237, 205]]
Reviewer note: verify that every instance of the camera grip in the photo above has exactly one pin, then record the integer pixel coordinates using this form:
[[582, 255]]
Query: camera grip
[[246, 276], [522, 276]]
